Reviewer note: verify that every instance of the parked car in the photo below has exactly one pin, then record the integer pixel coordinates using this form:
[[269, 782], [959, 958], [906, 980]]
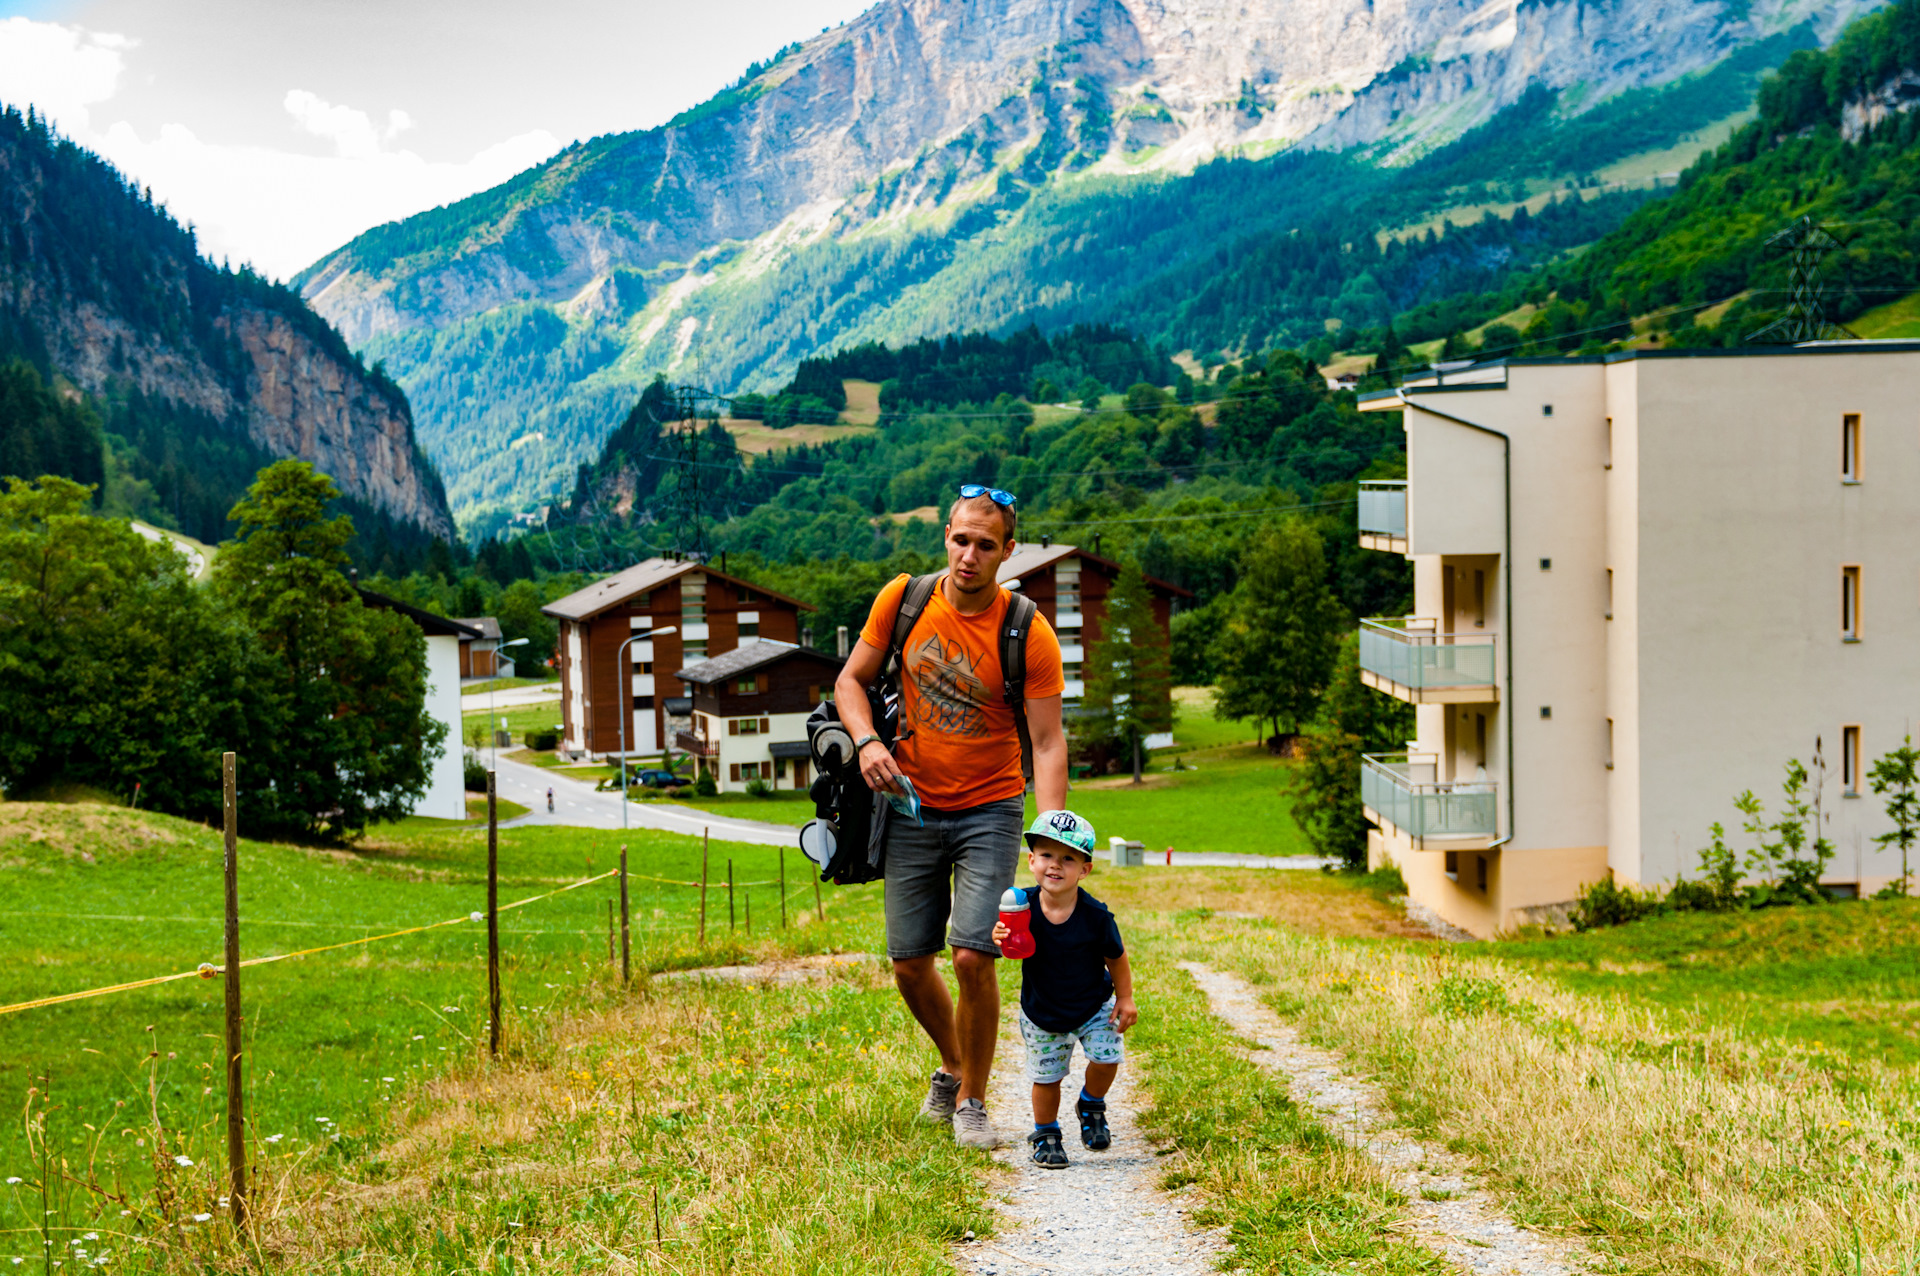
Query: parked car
[[655, 778]]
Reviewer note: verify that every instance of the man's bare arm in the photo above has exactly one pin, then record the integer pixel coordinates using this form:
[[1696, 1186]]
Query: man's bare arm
[[863, 668], [1049, 753]]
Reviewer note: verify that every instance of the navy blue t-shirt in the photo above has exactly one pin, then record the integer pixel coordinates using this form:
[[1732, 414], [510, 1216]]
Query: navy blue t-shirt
[[1066, 979]]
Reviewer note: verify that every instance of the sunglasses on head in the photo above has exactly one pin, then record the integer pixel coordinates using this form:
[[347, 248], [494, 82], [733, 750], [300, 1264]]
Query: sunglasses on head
[[970, 490]]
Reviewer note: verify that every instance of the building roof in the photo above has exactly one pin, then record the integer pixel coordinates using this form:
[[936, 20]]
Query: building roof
[[747, 659], [431, 625], [641, 578], [1027, 558], [488, 626]]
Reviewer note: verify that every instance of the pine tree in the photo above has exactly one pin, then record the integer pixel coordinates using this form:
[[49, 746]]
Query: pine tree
[[1129, 686]]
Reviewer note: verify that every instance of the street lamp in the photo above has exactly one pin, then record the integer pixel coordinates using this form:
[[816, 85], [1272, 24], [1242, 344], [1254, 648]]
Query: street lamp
[[493, 728], [626, 707]]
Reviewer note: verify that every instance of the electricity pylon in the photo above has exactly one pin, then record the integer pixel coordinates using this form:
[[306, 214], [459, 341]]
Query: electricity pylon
[[1807, 245]]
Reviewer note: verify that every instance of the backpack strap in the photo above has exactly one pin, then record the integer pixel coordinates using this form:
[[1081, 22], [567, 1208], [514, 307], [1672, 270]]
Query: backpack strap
[[1014, 629], [913, 601]]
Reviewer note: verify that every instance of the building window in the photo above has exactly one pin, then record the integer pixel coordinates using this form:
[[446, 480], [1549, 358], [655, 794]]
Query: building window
[[1850, 604], [1480, 873], [746, 687], [1609, 744], [1452, 865], [1850, 761], [1850, 448], [1066, 587], [693, 600], [1609, 593], [1606, 460], [644, 666], [749, 629], [1479, 599], [1071, 671], [747, 770], [693, 651]]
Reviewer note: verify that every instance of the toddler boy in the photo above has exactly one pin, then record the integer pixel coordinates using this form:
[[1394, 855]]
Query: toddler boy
[[1077, 986]]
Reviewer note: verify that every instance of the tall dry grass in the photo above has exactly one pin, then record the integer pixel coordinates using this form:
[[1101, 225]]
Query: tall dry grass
[[1670, 1146]]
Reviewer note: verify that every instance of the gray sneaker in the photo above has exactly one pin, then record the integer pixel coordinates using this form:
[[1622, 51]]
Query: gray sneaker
[[971, 1129], [940, 1097]]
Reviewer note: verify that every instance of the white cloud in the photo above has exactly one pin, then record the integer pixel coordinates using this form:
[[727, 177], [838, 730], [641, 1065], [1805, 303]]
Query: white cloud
[[61, 71], [279, 209]]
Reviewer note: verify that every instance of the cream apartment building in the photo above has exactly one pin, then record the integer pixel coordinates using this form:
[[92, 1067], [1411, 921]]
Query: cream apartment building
[[1642, 582]]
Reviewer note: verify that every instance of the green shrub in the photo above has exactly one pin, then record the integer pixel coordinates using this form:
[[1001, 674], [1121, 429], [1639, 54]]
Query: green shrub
[[1459, 996], [1604, 903], [543, 739], [475, 773], [704, 786], [759, 788]]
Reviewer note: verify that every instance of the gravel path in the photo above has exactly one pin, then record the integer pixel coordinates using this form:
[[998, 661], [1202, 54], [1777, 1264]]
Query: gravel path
[[1104, 1215], [1468, 1227]]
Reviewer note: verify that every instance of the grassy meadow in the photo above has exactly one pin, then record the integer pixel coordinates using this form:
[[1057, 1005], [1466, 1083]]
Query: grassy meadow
[[1688, 1094]]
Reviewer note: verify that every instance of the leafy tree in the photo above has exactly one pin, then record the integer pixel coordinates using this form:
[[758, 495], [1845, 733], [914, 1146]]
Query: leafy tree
[[1089, 393], [114, 669], [1282, 630], [1129, 683], [43, 433], [518, 611], [1325, 786], [1145, 401], [1895, 777], [358, 744]]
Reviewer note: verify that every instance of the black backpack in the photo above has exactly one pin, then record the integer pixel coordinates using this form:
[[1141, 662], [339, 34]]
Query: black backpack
[[847, 837]]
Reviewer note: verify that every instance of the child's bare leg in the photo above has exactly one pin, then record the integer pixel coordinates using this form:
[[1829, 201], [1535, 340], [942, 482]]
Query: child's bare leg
[[1099, 1080], [1046, 1103]]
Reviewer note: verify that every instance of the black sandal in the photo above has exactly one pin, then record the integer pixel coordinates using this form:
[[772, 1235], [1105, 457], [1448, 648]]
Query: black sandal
[[1047, 1152], [1093, 1124]]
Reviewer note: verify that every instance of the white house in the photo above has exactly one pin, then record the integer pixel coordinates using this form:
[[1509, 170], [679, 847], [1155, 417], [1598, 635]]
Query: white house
[[445, 797]]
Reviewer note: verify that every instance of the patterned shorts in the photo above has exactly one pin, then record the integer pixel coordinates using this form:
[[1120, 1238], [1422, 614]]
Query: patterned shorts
[[1050, 1053]]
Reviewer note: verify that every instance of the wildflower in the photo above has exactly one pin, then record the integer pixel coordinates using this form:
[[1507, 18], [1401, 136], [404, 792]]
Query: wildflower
[[275, 1138], [386, 1078], [91, 1236], [12, 1179], [185, 1162], [203, 1218]]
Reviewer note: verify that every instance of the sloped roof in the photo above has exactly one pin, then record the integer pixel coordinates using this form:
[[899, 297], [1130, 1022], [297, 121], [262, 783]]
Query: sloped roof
[[430, 624], [746, 659], [1026, 559], [644, 577], [488, 626]]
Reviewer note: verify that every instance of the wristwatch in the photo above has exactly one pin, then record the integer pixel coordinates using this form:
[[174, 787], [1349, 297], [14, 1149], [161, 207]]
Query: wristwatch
[[864, 741]]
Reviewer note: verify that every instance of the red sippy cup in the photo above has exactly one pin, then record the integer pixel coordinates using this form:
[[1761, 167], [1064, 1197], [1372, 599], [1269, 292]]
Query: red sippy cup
[[1019, 919]]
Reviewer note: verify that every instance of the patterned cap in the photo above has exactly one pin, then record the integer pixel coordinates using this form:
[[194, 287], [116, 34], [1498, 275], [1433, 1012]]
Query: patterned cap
[[1064, 827]]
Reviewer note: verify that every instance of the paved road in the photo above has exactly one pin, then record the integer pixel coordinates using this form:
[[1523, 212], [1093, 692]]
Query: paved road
[[512, 698], [579, 805]]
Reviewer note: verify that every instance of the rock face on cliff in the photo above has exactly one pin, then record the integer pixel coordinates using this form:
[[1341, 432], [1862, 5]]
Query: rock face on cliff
[[913, 125], [105, 289]]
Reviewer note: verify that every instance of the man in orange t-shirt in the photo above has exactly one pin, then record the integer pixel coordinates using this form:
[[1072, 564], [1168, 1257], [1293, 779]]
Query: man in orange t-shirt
[[961, 751]]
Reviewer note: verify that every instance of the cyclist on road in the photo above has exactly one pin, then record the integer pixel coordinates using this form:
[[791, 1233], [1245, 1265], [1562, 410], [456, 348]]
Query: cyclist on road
[[549, 799]]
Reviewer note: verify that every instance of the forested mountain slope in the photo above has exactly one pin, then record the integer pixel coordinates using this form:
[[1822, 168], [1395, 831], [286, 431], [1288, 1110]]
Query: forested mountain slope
[[935, 167], [195, 375]]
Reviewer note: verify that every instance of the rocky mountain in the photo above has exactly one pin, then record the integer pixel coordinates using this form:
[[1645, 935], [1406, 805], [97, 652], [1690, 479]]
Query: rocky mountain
[[938, 164], [197, 373]]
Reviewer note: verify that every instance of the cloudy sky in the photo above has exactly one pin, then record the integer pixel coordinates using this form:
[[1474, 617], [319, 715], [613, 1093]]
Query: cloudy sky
[[281, 129]]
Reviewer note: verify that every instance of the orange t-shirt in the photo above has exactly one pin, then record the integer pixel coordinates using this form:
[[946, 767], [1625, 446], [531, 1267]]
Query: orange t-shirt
[[963, 751]]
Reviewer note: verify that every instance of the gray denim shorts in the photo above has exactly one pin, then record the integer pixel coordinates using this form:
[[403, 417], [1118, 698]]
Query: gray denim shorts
[[956, 867]]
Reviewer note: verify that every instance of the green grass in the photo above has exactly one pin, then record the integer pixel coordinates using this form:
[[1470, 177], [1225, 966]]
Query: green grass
[[782, 807], [548, 677], [1895, 319], [1843, 979], [96, 895], [519, 720], [1231, 802]]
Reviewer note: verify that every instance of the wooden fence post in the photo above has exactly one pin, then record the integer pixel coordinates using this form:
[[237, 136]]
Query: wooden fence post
[[609, 932], [493, 919], [626, 946], [236, 1113], [732, 918], [783, 888], [703, 887]]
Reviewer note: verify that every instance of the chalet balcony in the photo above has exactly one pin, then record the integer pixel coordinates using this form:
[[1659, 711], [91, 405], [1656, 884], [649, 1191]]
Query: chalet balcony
[[1407, 657], [1383, 515], [1404, 790], [699, 746]]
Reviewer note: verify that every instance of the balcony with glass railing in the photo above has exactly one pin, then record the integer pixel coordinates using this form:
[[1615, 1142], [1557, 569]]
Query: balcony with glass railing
[[1383, 515], [1408, 657], [1404, 790]]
